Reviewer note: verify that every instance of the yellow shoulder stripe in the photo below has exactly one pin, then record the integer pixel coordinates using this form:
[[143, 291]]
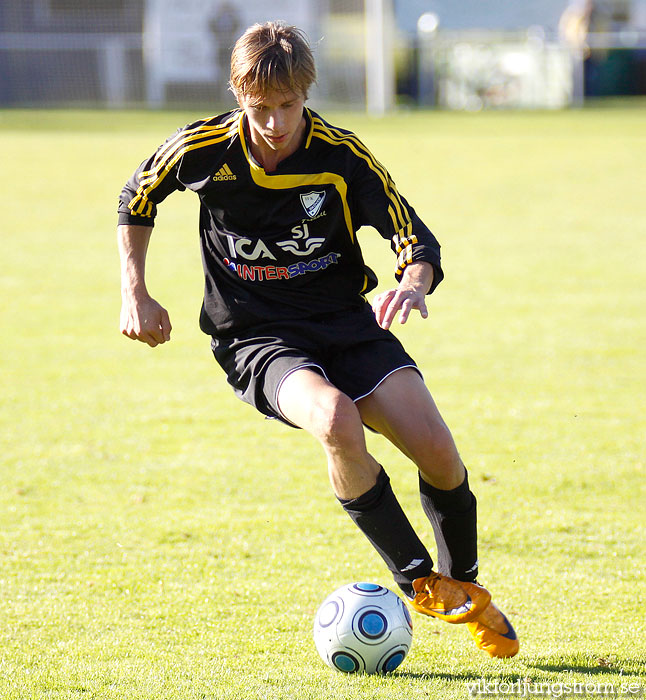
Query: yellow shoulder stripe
[[149, 180], [397, 210], [280, 182], [179, 138], [191, 135], [404, 238]]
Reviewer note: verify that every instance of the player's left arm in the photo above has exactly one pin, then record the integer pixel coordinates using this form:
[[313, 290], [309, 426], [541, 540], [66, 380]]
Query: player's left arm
[[418, 269], [415, 283]]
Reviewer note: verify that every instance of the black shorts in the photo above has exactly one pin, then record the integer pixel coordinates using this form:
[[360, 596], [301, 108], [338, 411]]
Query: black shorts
[[349, 349]]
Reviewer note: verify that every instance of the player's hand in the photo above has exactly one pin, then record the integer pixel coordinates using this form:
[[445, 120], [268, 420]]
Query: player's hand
[[145, 320], [387, 304]]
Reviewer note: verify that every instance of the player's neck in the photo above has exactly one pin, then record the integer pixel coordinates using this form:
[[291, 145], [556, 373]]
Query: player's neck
[[269, 158]]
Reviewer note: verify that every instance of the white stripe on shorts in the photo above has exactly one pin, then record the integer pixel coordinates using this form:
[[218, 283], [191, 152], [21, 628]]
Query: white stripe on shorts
[[376, 386]]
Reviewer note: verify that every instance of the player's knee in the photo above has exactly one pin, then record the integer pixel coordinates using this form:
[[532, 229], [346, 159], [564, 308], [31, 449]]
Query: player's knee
[[337, 422], [440, 454], [444, 444]]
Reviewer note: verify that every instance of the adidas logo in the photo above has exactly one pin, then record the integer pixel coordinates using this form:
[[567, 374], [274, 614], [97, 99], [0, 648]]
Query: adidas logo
[[224, 173], [413, 565]]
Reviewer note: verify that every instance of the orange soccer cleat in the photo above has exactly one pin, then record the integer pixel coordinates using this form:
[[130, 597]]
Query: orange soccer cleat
[[492, 632], [448, 599]]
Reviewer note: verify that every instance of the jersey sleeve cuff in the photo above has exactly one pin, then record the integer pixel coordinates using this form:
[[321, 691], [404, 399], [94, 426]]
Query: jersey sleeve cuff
[[128, 219], [438, 276], [432, 257], [438, 273]]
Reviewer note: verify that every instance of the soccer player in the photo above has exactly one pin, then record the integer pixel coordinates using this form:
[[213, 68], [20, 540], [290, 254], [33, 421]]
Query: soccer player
[[282, 194]]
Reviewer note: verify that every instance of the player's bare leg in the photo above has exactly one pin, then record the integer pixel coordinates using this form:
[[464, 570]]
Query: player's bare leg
[[403, 410], [308, 400]]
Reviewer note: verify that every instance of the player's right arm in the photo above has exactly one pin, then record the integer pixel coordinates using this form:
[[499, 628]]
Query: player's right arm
[[142, 318]]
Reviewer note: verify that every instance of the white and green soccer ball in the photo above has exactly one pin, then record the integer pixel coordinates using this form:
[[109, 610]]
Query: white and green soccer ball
[[363, 627]]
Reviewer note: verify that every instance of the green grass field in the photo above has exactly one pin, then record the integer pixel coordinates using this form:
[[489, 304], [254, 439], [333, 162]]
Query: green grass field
[[159, 539]]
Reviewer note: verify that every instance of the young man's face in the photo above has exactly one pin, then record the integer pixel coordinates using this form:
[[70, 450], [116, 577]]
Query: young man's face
[[276, 121]]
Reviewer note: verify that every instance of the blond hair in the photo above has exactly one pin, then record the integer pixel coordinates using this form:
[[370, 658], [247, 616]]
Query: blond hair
[[271, 56]]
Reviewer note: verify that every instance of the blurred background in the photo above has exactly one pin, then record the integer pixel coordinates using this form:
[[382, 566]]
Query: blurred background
[[371, 54]]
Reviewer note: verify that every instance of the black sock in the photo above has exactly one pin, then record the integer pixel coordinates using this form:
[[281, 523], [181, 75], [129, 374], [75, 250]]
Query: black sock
[[379, 516], [453, 517]]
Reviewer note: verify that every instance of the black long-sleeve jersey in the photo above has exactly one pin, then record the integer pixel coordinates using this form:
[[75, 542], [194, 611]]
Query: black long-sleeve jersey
[[279, 245]]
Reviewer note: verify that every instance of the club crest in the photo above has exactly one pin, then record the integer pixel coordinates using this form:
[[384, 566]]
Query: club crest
[[312, 202]]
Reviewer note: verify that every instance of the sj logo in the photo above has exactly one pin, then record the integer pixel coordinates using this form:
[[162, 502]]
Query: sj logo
[[302, 243]]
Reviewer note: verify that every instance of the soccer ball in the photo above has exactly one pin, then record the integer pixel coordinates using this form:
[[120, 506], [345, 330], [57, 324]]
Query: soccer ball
[[363, 627]]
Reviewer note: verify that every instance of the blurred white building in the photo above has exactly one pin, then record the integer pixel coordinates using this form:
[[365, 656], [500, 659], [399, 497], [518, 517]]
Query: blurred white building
[[470, 54], [542, 54]]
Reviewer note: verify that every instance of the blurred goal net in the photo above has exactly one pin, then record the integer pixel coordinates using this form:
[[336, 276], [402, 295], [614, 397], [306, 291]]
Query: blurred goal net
[[369, 53], [163, 53]]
